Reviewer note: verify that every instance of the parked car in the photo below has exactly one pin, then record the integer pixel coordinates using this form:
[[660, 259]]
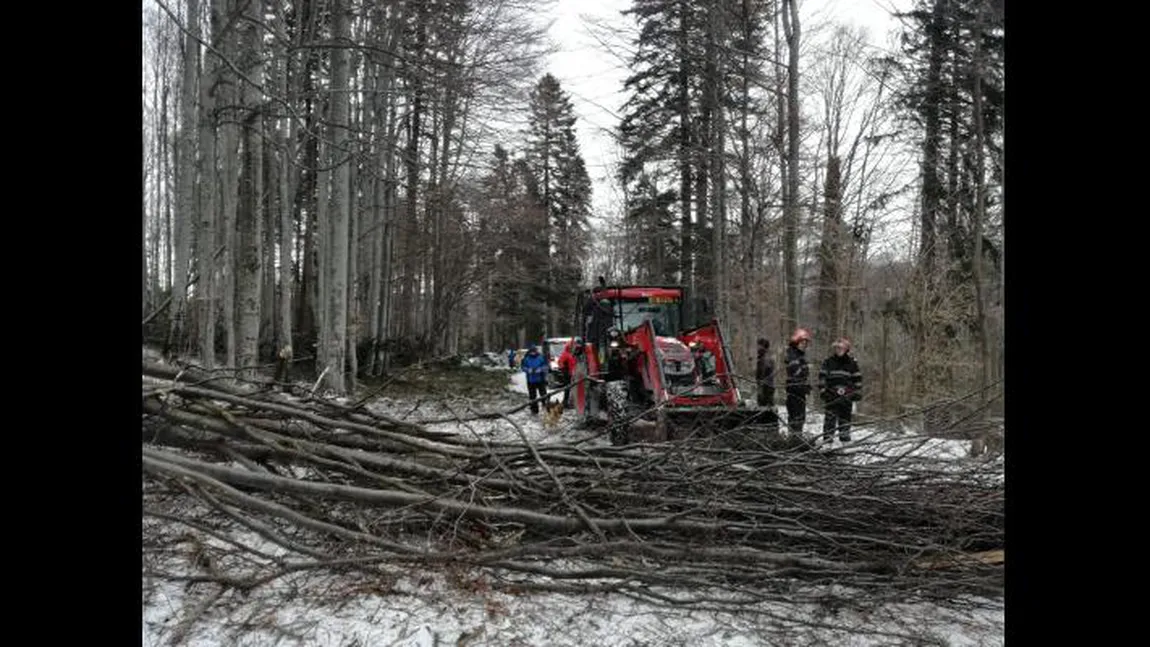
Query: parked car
[[552, 348]]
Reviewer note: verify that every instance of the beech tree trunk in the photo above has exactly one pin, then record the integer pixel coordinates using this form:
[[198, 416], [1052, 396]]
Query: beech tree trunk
[[229, 153], [980, 210], [249, 260], [716, 162], [209, 184], [792, 32], [686, 237], [286, 133], [337, 290], [186, 211]]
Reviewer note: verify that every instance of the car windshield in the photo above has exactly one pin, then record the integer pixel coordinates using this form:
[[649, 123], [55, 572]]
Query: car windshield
[[555, 348], [664, 316]]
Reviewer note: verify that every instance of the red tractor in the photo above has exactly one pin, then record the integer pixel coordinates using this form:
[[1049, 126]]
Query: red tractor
[[643, 373]]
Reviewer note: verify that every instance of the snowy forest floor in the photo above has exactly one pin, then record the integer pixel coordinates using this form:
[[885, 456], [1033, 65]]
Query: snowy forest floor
[[433, 606]]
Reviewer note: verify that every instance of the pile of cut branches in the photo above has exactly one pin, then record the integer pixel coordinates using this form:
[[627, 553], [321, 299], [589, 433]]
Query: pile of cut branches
[[339, 487]]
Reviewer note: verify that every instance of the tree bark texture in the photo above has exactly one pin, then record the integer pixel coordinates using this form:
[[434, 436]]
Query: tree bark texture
[[250, 217], [932, 192], [186, 213], [830, 254], [229, 152], [286, 132], [337, 303], [792, 32]]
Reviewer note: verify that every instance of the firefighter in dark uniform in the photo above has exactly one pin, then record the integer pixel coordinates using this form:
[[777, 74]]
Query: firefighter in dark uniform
[[840, 386], [798, 380], [765, 374], [765, 383]]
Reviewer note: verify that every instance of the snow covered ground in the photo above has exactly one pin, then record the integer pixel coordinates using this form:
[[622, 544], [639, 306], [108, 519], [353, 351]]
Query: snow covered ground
[[428, 611], [412, 608], [868, 441]]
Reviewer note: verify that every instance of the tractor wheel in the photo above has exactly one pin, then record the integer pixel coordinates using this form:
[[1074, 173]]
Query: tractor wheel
[[615, 397]]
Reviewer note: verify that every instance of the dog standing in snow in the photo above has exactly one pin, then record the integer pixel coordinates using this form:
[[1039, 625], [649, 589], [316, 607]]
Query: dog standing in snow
[[552, 412]]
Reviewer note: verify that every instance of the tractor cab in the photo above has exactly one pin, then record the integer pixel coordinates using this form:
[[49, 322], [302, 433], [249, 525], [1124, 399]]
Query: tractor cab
[[664, 312], [630, 307]]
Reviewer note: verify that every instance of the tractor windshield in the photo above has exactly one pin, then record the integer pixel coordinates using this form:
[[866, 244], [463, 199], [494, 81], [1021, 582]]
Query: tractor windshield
[[664, 316]]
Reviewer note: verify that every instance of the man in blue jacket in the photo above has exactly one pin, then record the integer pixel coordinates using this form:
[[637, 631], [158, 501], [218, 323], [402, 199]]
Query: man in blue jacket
[[535, 366]]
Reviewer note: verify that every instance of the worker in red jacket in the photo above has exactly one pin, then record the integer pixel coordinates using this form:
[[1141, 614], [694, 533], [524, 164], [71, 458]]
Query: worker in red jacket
[[567, 367]]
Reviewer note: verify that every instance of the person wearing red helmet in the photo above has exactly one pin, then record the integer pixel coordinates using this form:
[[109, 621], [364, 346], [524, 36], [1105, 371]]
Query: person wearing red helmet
[[840, 386], [798, 380]]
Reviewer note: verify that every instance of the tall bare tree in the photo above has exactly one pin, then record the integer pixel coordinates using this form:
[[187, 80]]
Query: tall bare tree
[[979, 215], [792, 32], [250, 215], [385, 186], [144, 218], [207, 231], [230, 116], [337, 297], [285, 129], [717, 66], [186, 212], [306, 19]]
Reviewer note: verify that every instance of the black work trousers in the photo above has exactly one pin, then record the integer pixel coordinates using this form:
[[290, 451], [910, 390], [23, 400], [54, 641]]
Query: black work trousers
[[564, 379], [766, 396], [536, 390], [837, 417], [796, 412]]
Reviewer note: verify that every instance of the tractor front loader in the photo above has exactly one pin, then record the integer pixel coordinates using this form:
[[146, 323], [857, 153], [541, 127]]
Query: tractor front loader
[[650, 380]]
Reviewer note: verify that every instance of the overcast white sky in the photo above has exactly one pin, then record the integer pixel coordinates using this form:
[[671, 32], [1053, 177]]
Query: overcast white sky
[[594, 77]]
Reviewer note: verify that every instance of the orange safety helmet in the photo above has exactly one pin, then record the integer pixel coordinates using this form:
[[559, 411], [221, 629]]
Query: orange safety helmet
[[800, 334]]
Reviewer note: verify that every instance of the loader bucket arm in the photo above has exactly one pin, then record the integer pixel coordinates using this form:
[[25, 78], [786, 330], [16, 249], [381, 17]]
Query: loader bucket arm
[[642, 339], [710, 337]]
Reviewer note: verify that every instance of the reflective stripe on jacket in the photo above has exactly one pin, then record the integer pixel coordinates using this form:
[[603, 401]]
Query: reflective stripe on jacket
[[840, 371]]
